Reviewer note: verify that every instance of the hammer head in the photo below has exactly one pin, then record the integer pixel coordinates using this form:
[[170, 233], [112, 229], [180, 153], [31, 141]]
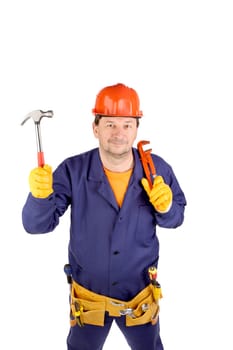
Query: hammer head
[[37, 116]]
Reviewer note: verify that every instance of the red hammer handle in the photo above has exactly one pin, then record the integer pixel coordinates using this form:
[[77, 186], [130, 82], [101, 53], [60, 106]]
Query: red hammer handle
[[40, 157]]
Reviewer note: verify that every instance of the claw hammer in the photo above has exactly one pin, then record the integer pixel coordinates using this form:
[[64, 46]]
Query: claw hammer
[[147, 162], [36, 117]]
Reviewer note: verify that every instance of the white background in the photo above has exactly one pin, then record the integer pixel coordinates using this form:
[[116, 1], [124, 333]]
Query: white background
[[178, 56]]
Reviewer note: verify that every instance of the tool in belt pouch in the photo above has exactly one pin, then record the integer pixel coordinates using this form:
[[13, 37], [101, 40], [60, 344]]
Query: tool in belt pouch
[[89, 307]]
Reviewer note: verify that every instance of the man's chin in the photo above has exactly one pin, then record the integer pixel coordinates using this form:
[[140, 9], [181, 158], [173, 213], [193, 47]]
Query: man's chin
[[119, 152]]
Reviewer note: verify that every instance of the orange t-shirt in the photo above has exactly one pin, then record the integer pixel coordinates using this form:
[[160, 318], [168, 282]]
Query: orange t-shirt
[[119, 183]]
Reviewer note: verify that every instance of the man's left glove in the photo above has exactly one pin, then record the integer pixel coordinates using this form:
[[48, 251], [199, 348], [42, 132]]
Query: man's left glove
[[160, 195], [41, 181]]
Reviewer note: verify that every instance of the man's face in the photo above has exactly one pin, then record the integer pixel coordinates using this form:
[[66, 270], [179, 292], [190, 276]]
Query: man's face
[[116, 135]]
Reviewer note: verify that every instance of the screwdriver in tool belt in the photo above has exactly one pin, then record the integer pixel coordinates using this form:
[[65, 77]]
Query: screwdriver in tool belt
[[152, 271], [76, 309], [156, 290], [68, 272]]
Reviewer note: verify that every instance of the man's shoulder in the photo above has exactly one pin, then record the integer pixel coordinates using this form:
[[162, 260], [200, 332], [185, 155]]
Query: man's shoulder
[[78, 160], [81, 156]]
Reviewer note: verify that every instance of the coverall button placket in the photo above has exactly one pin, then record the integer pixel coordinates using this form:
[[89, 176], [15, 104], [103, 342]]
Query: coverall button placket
[[117, 247]]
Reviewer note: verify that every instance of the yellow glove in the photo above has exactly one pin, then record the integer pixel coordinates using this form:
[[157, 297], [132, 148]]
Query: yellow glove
[[41, 181], [160, 195]]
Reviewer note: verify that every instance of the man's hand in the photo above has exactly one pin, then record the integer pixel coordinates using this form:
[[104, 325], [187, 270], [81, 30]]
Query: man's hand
[[41, 181], [160, 195]]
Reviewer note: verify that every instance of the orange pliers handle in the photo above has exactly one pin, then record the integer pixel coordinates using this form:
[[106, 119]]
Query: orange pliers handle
[[147, 162]]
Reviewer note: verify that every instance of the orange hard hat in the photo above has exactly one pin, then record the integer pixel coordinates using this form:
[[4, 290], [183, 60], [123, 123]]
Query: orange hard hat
[[117, 101]]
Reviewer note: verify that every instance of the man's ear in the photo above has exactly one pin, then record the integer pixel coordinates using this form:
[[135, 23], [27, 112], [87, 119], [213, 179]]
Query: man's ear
[[95, 129]]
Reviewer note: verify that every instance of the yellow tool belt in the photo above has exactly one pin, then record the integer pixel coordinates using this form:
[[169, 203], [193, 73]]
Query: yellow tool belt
[[89, 307]]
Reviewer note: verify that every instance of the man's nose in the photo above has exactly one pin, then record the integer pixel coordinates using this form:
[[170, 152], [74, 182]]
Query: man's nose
[[118, 129]]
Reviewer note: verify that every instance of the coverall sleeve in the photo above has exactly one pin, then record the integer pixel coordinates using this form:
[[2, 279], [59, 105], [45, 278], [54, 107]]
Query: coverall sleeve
[[175, 216], [41, 215]]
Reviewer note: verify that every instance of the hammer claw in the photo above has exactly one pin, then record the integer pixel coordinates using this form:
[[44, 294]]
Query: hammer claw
[[24, 121]]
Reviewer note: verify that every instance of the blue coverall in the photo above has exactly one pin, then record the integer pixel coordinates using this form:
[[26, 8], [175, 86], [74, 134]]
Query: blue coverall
[[110, 248]]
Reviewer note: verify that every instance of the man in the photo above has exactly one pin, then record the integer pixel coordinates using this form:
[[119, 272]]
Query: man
[[114, 214]]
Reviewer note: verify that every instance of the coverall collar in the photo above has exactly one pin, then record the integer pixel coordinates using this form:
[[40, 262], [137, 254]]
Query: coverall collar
[[96, 174]]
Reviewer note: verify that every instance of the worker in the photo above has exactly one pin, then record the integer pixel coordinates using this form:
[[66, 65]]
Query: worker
[[114, 215]]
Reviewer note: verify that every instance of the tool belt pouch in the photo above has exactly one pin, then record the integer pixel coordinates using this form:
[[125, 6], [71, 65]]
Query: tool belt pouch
[[143, 308]]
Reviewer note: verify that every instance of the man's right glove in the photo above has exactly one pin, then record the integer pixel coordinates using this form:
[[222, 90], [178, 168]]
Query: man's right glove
[[41, 182], [160, 195]]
